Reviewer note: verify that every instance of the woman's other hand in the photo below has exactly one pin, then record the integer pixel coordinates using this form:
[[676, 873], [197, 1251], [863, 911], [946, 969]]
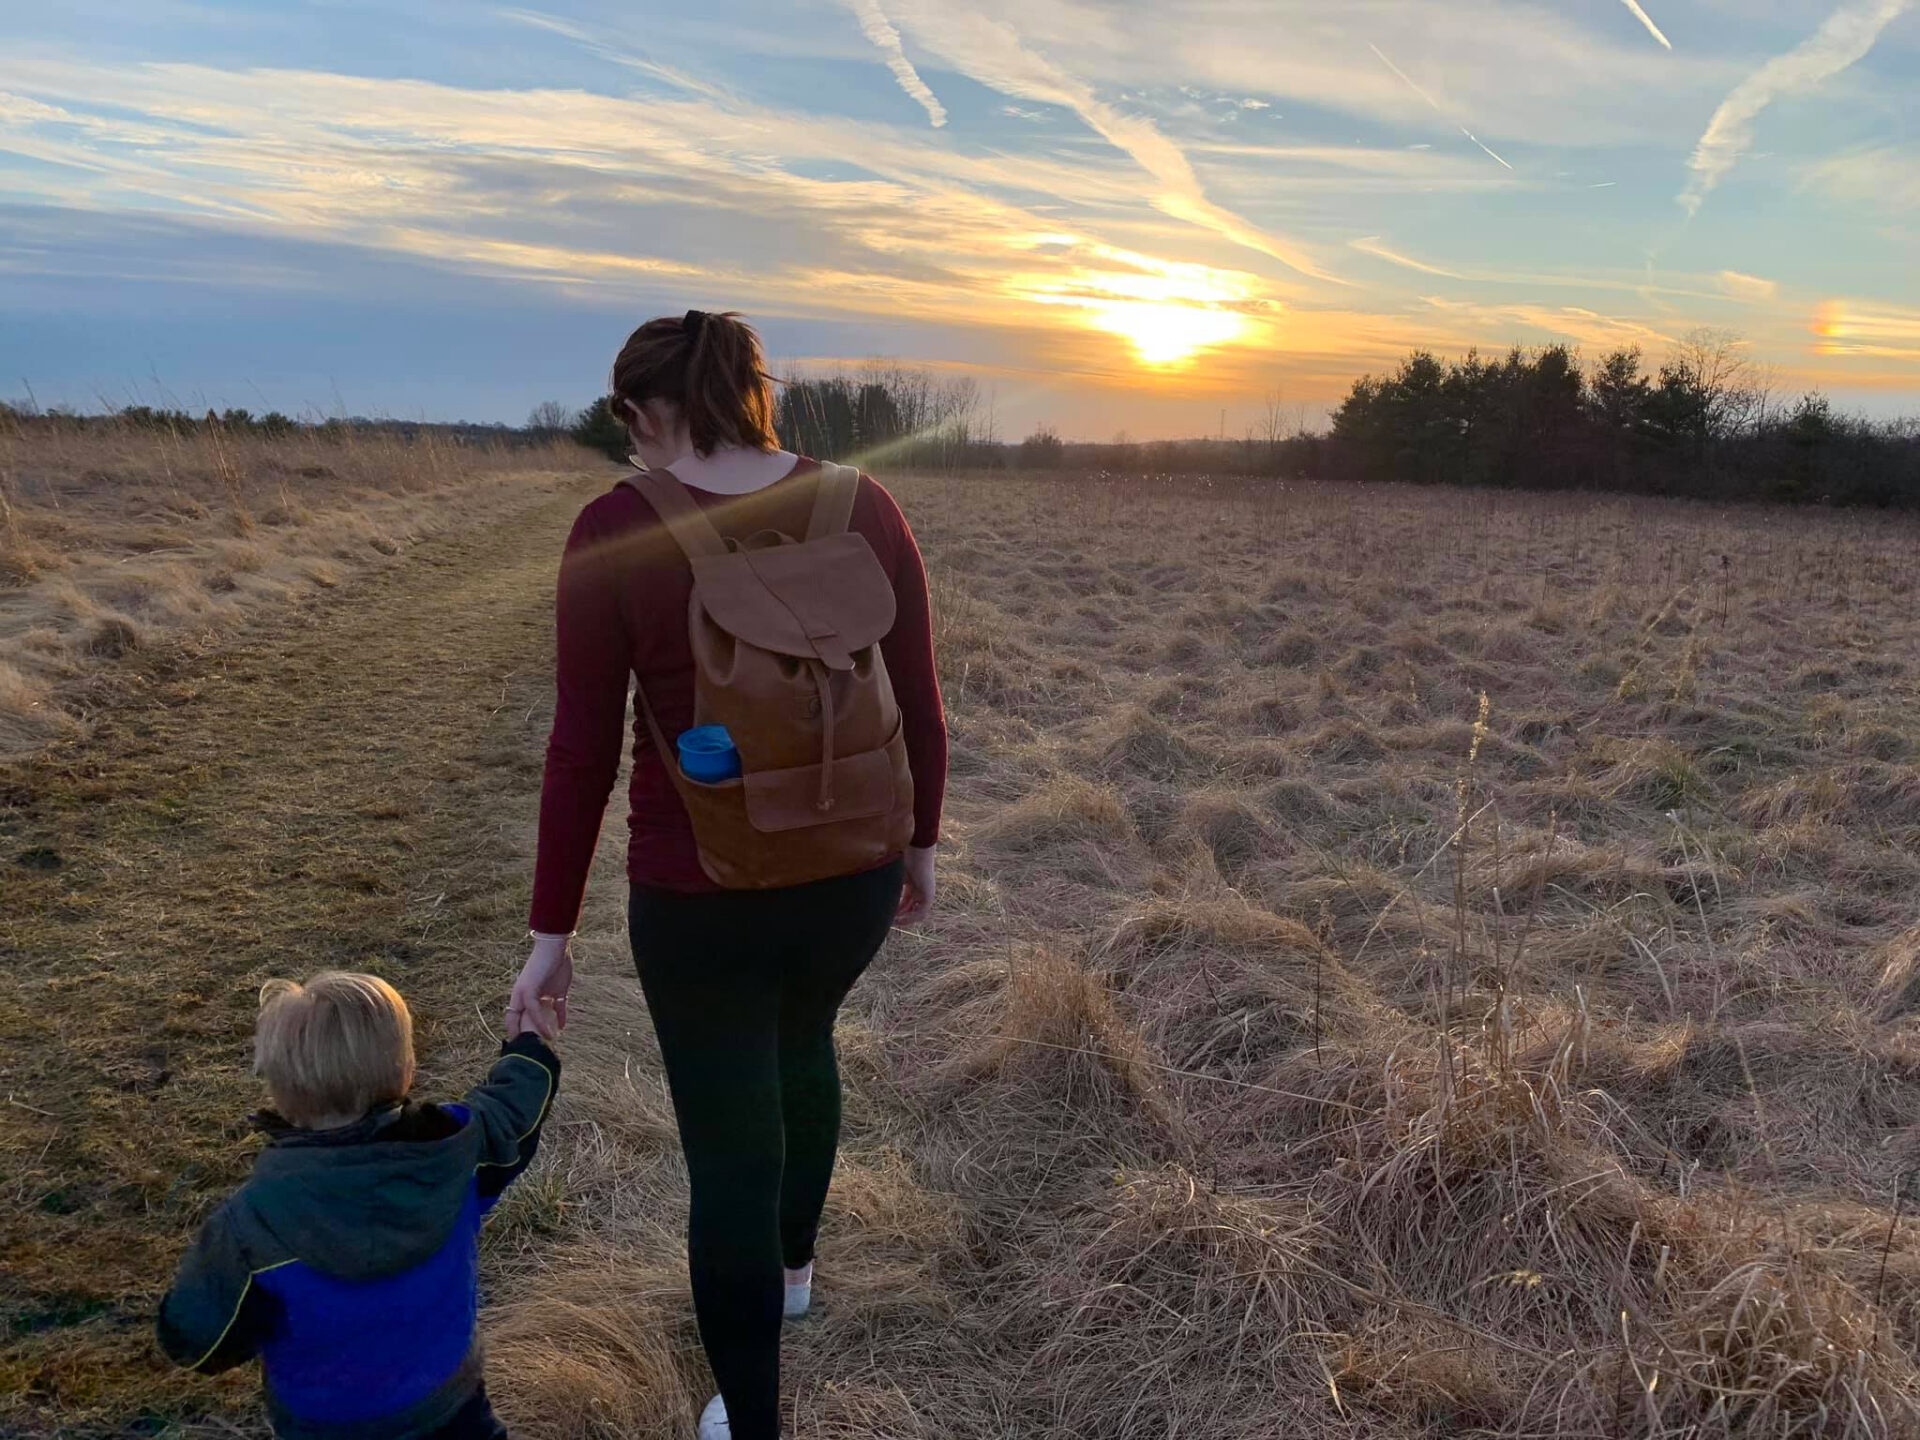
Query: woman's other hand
[[916, 899], [539, 998]]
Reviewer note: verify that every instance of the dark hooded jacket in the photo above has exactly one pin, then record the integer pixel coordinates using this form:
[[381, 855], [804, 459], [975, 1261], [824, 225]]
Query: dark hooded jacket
[[349, 1261]]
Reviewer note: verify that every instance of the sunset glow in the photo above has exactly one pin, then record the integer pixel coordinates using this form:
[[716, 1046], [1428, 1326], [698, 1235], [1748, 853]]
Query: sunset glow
[[1098, 209]]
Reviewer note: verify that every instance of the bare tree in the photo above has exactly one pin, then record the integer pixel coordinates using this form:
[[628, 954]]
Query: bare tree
[[549, 419], [1273, 428], [1715, 364]]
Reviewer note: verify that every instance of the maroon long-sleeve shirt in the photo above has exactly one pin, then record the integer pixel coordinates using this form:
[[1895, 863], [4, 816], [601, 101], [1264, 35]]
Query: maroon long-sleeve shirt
[[622, 612]]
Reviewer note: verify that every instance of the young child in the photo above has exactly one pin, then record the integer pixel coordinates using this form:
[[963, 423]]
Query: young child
[[349, 1261]]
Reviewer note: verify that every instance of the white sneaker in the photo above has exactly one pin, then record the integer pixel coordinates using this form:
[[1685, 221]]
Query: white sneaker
[[713, 1421], [799, 1292]]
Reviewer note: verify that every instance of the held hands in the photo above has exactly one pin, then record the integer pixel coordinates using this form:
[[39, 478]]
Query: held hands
[[916, 900], [539, 998]]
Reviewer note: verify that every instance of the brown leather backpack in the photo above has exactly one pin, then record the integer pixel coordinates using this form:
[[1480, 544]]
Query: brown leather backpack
[[786, 654]]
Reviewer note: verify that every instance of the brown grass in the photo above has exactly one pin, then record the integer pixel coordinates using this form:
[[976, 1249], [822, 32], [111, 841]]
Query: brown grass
[[111, 540], [1300, 1050]]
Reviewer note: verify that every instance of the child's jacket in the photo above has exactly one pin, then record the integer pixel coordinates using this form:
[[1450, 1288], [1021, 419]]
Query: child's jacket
[[349, 1261]]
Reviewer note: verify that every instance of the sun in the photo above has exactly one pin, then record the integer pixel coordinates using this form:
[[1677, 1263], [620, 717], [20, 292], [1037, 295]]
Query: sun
[[1169, 312], [1167, 336]]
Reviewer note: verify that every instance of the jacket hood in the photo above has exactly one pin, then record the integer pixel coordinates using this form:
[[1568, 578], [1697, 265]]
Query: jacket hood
[[371, 1199]]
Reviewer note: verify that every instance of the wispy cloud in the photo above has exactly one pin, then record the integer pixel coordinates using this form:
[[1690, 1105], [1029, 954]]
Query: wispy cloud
[[877, 28], [1647, 20], [1437, 106], [1558, 322], [993, 53], [1846, 37], [919, 233], [1371, 245], [1748, 287], [1884, 177]]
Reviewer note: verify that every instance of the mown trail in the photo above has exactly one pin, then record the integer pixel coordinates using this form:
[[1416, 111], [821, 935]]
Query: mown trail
[[346, 785]]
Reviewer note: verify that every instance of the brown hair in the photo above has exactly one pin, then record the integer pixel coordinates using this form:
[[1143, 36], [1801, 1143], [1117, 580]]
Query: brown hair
[[334, 1048], [712, 367]]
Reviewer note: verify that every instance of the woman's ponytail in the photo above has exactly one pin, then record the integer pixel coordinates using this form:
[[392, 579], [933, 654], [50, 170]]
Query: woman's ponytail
[[712, 367]]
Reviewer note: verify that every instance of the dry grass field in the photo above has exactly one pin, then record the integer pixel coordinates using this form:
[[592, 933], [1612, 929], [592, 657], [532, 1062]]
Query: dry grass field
[[116, 538], [1410, 963]]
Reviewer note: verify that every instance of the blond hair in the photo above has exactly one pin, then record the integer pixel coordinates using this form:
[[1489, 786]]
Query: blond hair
[[334, 1048]]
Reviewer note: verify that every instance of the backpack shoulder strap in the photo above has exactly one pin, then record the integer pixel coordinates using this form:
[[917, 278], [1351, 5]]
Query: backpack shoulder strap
[[678, 511], [833, 501]]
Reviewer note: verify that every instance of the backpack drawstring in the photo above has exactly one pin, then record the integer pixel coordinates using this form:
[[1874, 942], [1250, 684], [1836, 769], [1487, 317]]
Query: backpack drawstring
[[823, 681]]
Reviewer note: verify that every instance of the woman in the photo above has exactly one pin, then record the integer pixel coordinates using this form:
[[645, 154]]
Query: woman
[[743, 985]]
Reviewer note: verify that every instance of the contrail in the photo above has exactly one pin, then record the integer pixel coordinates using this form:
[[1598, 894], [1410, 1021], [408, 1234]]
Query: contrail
[[1482, 144], [993, 53], [1647, 20], [1846, 37], [878, 29], [1407, 80]]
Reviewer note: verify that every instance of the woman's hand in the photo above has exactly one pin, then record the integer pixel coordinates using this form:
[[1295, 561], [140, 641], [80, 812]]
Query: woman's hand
[[916, 899], [539, 999]]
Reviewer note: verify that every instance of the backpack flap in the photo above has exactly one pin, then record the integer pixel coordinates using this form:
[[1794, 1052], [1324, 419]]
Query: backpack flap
[[824, 599]]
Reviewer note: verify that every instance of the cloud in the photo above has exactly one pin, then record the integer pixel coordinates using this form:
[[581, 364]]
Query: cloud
[[992, 52], [1559, 322], [1647, 20], [1371, 245], [1540, 74], [1284, 174], [1748, 287], [1884, 177], [1846, 37], [877, 28], [18, 109], [627, 199]]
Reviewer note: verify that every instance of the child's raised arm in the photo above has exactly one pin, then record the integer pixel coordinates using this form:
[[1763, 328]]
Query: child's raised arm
[[510, 1106]]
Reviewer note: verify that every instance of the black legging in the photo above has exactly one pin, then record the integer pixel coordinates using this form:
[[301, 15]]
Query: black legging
[[743, 987]]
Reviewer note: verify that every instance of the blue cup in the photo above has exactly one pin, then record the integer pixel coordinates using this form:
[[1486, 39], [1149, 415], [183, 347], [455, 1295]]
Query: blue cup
[[708, 756]]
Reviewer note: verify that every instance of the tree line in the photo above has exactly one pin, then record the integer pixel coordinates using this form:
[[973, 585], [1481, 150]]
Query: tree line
[[1705, 423], [18, 417], [881, 414]]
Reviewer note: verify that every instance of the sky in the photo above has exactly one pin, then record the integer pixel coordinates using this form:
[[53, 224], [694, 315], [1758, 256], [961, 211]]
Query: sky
[[1156, 217]]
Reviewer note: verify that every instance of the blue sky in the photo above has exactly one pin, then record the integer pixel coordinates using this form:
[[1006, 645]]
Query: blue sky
[[1117, 216]]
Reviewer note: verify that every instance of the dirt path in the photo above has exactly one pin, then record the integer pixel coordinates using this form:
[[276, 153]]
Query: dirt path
[[347, 785]]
